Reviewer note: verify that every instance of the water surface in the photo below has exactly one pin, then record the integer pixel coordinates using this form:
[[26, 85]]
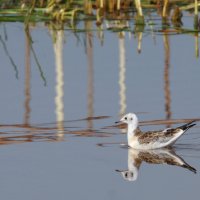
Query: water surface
[[61, 95]]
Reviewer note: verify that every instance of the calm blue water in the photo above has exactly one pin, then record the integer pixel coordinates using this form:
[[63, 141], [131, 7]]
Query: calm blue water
[[46, 152]]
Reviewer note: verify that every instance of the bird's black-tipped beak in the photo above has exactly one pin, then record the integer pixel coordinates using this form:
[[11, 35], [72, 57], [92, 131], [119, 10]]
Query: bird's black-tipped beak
[[117, 170], [117, 122]]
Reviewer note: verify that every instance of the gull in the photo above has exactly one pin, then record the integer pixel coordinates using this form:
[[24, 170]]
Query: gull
[[154, 156], [151, 139]]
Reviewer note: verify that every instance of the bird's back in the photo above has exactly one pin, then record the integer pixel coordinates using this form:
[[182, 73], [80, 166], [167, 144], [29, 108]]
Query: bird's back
[[157, 139]]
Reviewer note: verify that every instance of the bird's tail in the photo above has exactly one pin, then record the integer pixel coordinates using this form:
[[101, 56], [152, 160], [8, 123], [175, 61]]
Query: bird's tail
[[189, 167], [185, 127]]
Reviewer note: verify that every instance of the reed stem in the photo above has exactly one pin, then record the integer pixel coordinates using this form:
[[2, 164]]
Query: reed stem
[[164, 13], [138, 7]]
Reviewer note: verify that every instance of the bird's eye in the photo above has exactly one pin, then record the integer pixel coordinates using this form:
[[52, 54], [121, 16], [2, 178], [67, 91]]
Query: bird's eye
[[125, 118]]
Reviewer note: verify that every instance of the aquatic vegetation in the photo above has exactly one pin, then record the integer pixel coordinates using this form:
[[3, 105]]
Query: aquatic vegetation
[[97, 10]]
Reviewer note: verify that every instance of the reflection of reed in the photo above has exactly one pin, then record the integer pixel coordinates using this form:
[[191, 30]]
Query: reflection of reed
[[166, 78], [27, 80], [100, 34], [139, 48], [9, 57], [196, 45], [89, 51], [122, 73], [58, 49]]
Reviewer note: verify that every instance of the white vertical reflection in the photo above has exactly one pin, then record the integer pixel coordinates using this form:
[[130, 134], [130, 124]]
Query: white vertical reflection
[[58, 49], [122, 73]]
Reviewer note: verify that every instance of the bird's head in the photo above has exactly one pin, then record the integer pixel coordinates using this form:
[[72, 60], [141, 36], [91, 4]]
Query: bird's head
[[129, 118]]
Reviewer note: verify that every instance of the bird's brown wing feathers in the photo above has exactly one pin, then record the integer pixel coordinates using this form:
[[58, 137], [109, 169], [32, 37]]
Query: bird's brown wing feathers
[[153, 136]]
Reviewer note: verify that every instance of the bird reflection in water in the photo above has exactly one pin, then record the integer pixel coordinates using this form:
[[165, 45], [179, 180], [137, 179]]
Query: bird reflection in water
[[158, 156]]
